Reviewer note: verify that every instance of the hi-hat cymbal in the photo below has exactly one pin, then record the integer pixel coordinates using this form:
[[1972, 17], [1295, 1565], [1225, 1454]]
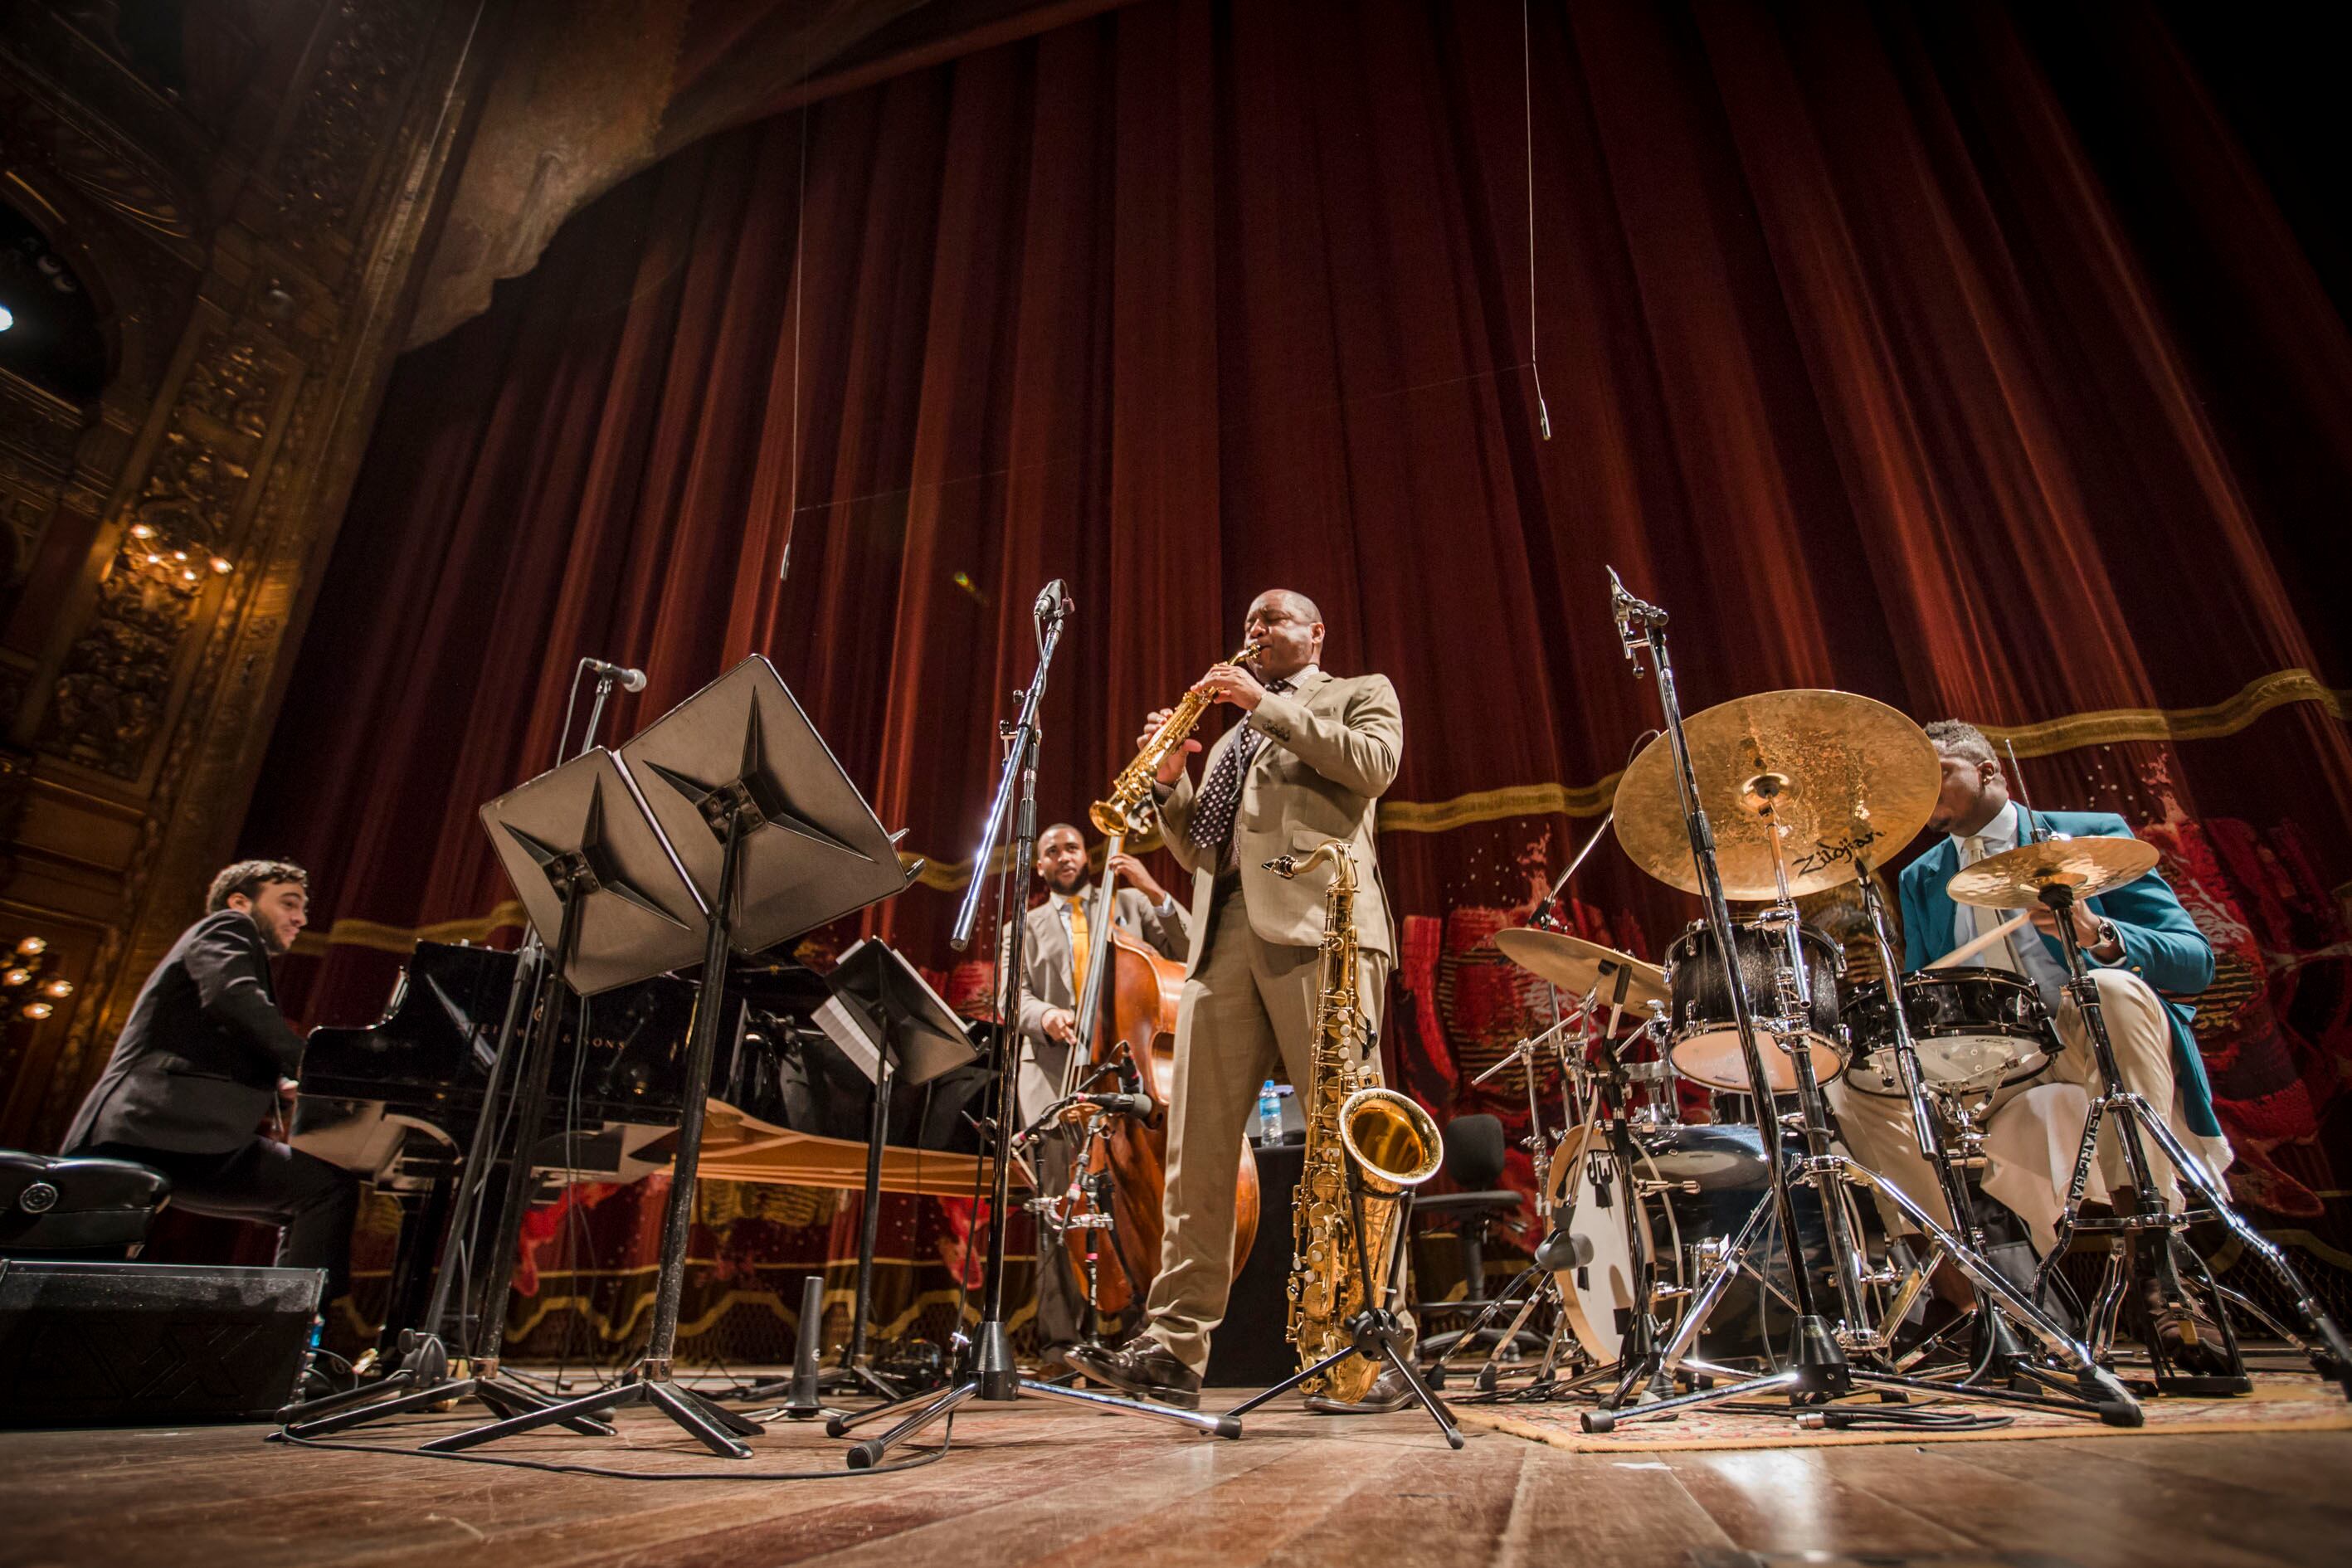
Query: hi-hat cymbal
[[2013, 879], [1842, 774], [1577, 965]]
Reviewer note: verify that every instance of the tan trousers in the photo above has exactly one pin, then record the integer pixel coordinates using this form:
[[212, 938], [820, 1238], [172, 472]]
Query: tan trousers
[[1249, 1007], [2033, 1131]]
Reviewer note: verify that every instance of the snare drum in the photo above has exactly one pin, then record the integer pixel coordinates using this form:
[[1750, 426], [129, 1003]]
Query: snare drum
[[1976, 1029], [1706, 1039]]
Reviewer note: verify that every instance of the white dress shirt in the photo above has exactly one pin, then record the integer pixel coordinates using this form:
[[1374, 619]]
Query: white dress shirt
[[2023, 952]]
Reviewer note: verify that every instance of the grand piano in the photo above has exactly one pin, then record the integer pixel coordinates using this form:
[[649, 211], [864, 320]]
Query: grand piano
[[397, 1101]]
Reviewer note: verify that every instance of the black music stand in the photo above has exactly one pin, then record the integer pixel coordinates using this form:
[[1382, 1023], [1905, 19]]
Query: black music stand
[[773, 840], [885, 1018], [591, 870]]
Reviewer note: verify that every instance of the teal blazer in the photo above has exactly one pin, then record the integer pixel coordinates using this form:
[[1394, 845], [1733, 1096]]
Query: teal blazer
[[2161, 944]]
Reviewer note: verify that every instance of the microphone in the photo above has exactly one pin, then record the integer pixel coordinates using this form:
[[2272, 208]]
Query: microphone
[[627, 679], [1137, 1105], [1053, 601]]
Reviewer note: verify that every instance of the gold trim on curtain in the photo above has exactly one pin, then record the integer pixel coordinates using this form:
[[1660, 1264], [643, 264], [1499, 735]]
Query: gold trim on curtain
[[2102, 727]]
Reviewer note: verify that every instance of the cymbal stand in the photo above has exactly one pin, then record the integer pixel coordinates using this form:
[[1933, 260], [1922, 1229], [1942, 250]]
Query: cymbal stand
[[1821, 1370], [1537, 1280], [2137, 1120], [2002, 1308]]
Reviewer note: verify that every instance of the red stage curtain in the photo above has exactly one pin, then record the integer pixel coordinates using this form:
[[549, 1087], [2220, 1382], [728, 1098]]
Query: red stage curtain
[[1986, 362]]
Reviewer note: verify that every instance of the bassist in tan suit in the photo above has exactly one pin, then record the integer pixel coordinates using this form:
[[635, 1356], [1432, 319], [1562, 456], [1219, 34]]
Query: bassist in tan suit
[[1062, 933], [1308, 763]]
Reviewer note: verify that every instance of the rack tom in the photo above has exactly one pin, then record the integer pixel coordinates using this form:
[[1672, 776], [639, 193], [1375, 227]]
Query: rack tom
[[1707, 1039], [1975, 1029]]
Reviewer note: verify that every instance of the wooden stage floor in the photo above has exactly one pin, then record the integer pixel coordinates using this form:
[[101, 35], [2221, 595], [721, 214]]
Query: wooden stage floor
[[1048, 1484]]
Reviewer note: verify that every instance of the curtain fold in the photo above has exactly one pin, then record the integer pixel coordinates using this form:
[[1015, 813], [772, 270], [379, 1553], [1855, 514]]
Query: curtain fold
[[1937, 353]]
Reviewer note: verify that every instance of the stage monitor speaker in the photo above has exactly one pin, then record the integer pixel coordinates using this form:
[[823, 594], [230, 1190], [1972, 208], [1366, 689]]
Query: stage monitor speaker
[[128, 1344]]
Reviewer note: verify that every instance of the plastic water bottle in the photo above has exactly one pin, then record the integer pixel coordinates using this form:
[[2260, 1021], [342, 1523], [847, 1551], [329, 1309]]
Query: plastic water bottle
[[1269, 1116]]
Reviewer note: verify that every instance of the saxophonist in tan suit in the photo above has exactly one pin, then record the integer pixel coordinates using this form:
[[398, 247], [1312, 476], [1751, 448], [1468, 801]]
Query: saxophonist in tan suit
[[1062, 933], [1308, 763]]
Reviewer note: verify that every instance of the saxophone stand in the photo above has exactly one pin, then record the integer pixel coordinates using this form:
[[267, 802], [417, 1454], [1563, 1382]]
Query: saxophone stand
[[991, 1376], [1822, 1371], [1376, 1334], [2136, 1119]]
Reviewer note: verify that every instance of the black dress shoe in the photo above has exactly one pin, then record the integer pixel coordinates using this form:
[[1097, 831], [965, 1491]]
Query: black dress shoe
[[1386, 1395], [1143, 1368]]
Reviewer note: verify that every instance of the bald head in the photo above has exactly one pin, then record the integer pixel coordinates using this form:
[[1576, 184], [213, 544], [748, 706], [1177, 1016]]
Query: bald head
[[1288, 629]]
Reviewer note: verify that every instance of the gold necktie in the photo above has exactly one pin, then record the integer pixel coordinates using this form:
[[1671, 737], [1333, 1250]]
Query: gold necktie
[[1077, 942]]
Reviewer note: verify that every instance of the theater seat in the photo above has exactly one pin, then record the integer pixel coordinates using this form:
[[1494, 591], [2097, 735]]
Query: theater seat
[[71, 1207]]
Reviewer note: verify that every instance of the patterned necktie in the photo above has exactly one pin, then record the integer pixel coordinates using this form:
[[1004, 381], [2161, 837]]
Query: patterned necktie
[[1221, 796], [1078, 940]]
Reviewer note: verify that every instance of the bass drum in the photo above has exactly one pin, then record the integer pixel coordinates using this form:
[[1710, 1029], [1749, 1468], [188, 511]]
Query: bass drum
[[1715, 1178], [1706, 1037]]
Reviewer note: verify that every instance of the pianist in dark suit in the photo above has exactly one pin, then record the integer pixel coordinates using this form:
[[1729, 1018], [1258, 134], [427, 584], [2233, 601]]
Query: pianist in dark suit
[[1062, 931], [196, 1072]]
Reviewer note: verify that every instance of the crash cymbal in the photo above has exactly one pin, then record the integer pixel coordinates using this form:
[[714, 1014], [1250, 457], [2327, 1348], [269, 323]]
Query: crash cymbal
[[1836, 771], [2013, 879], [1578, 966]]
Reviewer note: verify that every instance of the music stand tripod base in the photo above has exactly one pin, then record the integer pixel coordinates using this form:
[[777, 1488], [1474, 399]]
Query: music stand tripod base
[[758, 824]]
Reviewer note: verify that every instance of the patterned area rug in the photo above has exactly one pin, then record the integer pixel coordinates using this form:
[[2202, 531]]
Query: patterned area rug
[[2279, 1403]]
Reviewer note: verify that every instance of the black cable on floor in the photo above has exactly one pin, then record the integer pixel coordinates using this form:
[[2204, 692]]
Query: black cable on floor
[[921, 1458]]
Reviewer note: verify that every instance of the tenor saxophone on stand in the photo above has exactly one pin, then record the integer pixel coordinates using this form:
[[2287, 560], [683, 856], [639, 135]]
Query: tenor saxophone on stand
[[1393, 1142]]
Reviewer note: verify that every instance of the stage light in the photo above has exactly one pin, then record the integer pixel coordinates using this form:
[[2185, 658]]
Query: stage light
[[16, 977], [60, 989], [36, 1011], [188, 573], [223, 566], [143, 531], [7, 318], [32, 946]]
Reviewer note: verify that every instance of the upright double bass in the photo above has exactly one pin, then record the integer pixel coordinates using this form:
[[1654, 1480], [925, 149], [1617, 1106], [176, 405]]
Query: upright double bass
[[1127, 1041]]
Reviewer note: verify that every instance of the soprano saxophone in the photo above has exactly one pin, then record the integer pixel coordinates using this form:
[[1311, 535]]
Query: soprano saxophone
[[1392, 1142], [1126, 812]]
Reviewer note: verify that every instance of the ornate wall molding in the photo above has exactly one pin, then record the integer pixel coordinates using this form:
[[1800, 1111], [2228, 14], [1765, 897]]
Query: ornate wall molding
[[151, 661]]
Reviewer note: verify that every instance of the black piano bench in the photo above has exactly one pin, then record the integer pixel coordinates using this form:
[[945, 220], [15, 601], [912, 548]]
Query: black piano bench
[[65, 1207]]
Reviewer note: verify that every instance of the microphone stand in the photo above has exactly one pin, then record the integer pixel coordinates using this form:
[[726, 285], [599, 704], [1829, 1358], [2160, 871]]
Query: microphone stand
[[991, 1375]]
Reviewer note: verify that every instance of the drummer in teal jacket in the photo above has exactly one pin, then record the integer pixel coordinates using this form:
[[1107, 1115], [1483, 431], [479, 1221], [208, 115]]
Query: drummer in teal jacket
[[2148, 961]]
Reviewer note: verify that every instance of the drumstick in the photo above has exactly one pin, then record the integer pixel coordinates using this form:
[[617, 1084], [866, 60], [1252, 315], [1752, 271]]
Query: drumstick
[[1968, 949]]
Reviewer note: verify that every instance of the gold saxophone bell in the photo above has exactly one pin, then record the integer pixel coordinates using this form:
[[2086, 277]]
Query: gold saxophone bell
[[1395, 1144], [1127, 811]]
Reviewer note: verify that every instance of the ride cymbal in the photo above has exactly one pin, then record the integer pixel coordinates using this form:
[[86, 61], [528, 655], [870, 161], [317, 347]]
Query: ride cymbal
[[1844, 776]]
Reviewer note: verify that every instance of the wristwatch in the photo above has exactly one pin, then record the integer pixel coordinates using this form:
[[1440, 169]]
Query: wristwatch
[[2109, 935]]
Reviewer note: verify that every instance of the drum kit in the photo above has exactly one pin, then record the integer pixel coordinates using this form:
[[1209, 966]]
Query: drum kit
[[1672, 1250]]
